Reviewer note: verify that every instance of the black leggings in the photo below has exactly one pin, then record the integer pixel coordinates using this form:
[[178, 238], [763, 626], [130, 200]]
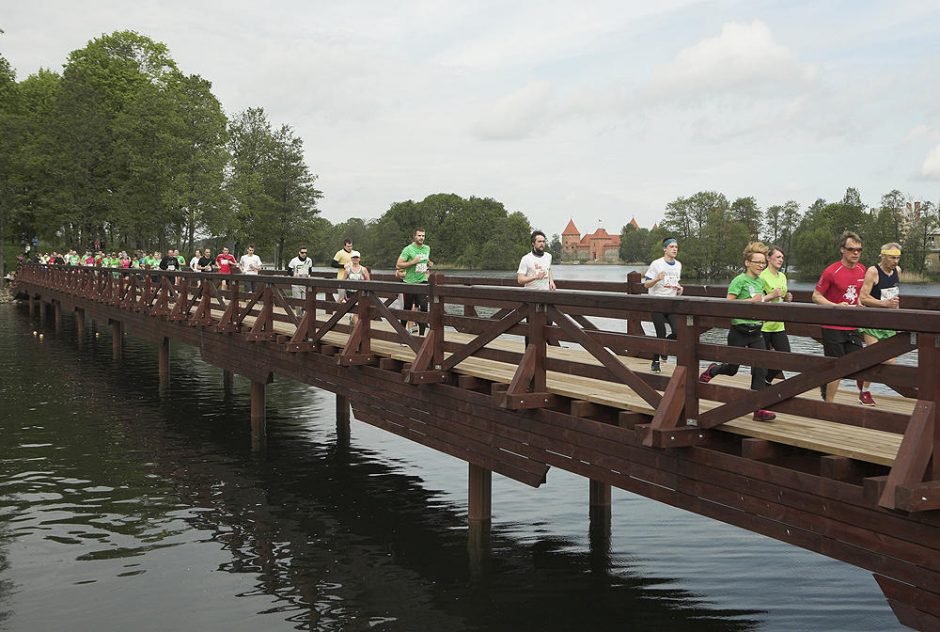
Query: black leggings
[[421, 301], [776, 341], [659, 324], [739, 336]]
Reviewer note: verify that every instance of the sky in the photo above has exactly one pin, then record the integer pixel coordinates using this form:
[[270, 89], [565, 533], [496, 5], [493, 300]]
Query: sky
[[593, 110]]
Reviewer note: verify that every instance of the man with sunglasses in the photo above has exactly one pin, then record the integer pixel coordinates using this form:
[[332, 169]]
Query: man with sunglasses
[[840, 285]]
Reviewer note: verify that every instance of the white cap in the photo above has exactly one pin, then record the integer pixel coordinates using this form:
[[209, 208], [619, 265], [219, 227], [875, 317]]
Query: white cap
[[354, 254]]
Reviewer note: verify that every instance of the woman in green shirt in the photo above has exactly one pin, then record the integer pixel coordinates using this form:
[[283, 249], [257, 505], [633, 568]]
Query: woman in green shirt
[[747, 286], [775, 333]]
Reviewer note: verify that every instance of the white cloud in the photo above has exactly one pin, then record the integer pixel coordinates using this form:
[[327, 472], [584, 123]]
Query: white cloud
[[517, 115], [931, 167], [743, 59]]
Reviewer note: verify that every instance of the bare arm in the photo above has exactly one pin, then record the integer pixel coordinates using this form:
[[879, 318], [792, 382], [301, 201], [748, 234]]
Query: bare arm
[[865, 297]]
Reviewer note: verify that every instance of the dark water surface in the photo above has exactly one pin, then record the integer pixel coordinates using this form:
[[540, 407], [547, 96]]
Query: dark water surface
[[122, 508]]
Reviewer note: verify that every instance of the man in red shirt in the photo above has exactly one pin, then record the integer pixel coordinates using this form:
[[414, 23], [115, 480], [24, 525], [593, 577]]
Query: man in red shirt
[[840, 285], [225, 261]]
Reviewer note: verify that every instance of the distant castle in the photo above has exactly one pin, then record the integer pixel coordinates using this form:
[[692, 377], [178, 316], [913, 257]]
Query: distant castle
[[597, 246]]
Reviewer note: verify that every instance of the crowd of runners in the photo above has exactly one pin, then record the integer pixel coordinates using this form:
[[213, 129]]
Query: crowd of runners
[[845, 283]]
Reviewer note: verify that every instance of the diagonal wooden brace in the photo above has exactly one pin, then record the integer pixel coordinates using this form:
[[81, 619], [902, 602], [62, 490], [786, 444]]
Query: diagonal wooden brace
[[910, 465]]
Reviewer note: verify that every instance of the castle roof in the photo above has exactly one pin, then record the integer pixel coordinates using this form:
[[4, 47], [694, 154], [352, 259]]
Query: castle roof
[[571, 229]]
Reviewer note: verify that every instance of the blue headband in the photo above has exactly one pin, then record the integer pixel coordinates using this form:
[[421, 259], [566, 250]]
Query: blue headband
[[669, 241]]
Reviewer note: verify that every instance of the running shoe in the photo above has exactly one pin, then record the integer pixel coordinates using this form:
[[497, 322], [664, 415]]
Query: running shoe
[[764, 415], [655, 368], [706, 375], [865, 398]]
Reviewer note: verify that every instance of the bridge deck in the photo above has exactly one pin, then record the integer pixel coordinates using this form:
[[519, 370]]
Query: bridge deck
[[863, 444]]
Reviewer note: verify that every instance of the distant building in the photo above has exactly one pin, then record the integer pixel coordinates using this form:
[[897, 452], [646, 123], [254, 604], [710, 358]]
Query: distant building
[[597, 246], [933, 252]]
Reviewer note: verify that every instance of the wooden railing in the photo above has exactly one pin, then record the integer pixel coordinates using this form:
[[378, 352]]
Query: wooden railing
[[604, 319]]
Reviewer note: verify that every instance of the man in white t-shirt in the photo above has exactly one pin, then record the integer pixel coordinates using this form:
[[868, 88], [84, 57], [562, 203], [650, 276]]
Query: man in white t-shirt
[[662, 279], [300, 266], [535, 268], [250, 263]]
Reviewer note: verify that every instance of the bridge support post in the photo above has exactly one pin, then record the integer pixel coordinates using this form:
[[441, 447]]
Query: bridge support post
[[80, 327], [342, 418], [599, 495], [163, 362], [32, 306], [257, 410], [228, 382], [480, 505], [117, 339], [57, 316]]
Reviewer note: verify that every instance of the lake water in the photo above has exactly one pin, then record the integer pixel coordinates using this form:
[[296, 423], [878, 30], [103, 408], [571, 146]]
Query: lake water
[[122, 508]]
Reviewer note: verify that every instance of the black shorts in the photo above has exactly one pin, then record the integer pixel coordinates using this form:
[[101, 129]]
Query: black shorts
[[839, 342]]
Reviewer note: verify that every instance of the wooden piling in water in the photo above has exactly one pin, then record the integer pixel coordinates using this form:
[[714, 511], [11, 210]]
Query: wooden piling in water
[[117, 339], [480, 496]]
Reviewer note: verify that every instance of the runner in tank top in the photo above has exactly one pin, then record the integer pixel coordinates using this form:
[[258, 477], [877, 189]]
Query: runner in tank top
[[880, 289]]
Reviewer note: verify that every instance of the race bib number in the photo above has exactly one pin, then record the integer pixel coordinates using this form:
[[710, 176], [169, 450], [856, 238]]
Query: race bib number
[[421, 268], [890, 292]]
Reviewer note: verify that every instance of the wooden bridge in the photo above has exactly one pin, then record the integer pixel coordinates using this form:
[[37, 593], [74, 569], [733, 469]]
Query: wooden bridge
[[858, 484]]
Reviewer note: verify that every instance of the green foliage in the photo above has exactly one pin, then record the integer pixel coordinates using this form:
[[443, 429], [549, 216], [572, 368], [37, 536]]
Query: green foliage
[[554, 247], [710, 237], [271, 188], [473, 233], [634, 244], [815, 241]]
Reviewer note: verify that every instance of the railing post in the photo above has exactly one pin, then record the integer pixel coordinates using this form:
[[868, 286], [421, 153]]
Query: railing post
[[437, 318], [635, 325], [928, 364], [687, 356], [537, 323]]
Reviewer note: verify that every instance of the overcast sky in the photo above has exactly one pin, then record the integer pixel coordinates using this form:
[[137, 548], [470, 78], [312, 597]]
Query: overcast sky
[[599, 111]]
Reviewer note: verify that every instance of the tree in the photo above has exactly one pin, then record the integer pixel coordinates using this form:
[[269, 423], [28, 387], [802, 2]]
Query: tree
[[273, 198], [9, 140], [745, 211], [916, 245], [853, 198], [634, 244], [815, 239], [554, 247], [893, 204], [99, 84]]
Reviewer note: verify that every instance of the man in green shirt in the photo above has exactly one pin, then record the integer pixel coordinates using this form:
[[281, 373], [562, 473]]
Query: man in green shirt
[[415, 260]]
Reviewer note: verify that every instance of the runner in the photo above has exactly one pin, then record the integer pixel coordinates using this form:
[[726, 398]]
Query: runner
[[300, 267], [250, 263], [662, 279], [839, 285], [354, 271], [415, 260], [880, 289], [744, 332], [774, 332]]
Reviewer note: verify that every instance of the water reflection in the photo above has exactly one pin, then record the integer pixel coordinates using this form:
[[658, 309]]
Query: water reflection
[[121, 506]]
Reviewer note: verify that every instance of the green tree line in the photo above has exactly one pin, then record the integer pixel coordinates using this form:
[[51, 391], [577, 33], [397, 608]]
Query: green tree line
[[713, 231], [472, 233], [124, 149]]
